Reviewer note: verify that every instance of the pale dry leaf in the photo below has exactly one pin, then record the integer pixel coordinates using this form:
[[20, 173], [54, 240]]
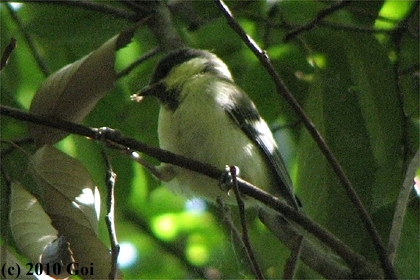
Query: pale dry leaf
[[72, 202], [30, 225], [9, 259], [87, 248], [73, 91], [65, 187]]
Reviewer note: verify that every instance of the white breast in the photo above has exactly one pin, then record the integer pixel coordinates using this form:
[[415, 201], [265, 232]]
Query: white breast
[[201, 130]]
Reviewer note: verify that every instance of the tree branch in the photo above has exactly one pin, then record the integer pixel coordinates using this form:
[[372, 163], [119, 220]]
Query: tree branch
[[38, 58], [110, 217], [354, 260], [245, 235], [136, 63], [284, 91], [319, 17], [292, 262], [94, 6], [397, 38], [236, 236], [161, 25], [319, 258], [7, 52], [401, 206]]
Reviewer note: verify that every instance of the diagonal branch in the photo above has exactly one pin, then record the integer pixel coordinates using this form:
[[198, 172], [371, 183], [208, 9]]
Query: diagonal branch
[[318, 19], [245, 234], [7, 52], [110, 179], [94, 6], [282, 89], [401, 206], [354, 260], [29, 41]]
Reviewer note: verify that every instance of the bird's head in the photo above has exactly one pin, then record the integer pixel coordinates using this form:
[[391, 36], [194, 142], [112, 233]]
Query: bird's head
[[178, 67]]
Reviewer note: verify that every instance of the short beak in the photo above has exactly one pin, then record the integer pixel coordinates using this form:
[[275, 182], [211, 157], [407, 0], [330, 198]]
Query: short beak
[[149, 90]]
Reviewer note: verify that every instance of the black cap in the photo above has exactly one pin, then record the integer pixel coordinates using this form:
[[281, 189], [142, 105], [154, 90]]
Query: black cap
[[175, 58]]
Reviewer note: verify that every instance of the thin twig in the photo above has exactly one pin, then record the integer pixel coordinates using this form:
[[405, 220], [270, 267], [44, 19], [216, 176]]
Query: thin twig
[[346, 253], [323, 24], [401, 206], [355, 28], [161, 25], [38, 58], [136, 63], [228, 220], [245, 235], [21, 142], [370, 15], [282, 89], [319, 17], [129, 4], [397, 38], [318, 257], [94, 6], [407, 186], [7, 52], [292, 262], [110, 216]]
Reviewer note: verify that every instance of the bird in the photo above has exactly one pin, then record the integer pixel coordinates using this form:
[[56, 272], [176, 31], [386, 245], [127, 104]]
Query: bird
[[204, 115]]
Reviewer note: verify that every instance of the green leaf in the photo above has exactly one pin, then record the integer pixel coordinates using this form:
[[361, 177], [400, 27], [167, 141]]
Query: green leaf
[[381, 113], [335, 111]]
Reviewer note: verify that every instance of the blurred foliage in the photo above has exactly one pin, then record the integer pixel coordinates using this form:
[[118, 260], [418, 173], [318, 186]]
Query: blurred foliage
[[356, 73]]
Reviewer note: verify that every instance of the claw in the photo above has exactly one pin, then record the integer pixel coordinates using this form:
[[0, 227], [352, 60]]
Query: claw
[[226, 180]]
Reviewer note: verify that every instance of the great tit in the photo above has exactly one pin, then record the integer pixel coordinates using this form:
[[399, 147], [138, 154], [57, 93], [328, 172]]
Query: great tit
[[205, 116]]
